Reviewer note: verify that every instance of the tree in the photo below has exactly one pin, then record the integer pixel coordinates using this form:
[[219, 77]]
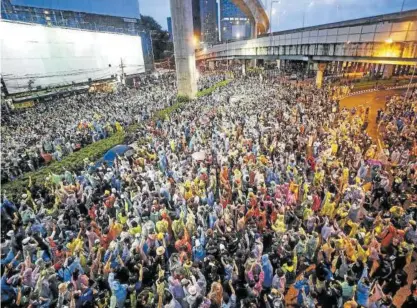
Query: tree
[[160, 38]]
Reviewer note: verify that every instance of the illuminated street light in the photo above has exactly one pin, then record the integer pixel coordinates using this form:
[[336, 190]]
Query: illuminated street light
[[195, 41], [271, 12], [389, 41]]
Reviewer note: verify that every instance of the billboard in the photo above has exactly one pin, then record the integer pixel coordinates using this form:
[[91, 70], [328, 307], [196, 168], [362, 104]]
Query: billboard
[[35, 56], [120, 8]]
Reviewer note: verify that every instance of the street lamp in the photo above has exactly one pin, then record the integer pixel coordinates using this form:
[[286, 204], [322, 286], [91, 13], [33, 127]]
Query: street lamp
[[270, 19], [305, 11]]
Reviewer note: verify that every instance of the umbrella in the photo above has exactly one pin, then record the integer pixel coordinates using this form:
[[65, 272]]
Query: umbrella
[[199, 156], [117, 150]]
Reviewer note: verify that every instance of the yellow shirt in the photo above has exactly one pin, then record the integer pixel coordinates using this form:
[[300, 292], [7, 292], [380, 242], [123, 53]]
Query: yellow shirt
[[334, 148], [76, 243], [162, 226], [135, 230]]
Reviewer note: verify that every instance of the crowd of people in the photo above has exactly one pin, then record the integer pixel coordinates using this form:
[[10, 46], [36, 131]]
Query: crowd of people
[[50, 130], [239, 199]]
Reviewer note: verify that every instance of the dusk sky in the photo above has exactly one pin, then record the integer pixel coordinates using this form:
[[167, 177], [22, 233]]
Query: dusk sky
[[289, 13]]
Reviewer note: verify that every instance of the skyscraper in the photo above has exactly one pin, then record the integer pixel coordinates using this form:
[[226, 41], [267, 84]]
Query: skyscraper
[[196, 19], [233, 22], [208, 21], [169, 24]]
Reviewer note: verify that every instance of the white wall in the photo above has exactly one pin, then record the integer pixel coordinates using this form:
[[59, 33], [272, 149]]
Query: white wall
[[59, 56]]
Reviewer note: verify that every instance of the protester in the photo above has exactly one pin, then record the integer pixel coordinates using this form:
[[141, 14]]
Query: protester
[[234, 200]]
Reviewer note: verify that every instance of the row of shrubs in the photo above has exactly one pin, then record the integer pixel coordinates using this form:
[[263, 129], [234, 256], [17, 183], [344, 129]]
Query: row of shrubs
[[71, 162], [181, 100], [92, 152]]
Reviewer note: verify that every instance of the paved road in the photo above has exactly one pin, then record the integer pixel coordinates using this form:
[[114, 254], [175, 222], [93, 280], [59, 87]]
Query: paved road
[[376, 100], [373, 100]]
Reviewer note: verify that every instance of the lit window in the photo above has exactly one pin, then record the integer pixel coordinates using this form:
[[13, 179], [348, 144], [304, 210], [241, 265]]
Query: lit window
[[46, 12]]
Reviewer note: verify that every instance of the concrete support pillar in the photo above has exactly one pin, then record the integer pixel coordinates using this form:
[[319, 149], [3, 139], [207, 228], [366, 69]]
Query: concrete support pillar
[[321, 67], [407, 70], [244, 67], [356, 67], [183, 35], [254, 28], [339, 67], [376, 69], [211, 65], [307, 68], [334, 67], [388, 70], [279, 64]]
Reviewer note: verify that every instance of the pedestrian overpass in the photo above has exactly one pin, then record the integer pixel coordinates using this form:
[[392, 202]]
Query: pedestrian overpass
[[384, 40]]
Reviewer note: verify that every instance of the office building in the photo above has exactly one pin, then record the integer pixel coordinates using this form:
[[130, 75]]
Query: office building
[[169, 25], [209, 30], [234, 24], [196, 19]]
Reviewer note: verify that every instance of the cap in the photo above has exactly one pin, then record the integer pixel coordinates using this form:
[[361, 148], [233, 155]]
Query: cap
[[160, 251]]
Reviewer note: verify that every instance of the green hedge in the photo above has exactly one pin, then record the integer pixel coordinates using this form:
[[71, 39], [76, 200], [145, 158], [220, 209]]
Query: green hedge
[[93, 151], [211, 89], [71, 162], [181, 100]]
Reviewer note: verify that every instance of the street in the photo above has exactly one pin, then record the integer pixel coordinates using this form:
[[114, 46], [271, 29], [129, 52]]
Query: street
[[373, 100]]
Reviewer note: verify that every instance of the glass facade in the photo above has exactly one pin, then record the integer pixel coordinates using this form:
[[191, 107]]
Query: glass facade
[[80, 20], [120, 8], [234, 23], [169, 25], [196, 19], [209, 31]]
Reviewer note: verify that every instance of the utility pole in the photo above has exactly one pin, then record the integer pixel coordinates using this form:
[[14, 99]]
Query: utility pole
[[122, 66], [270, 19]]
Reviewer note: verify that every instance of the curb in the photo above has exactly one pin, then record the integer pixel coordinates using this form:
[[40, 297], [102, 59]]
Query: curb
[[375, 90]]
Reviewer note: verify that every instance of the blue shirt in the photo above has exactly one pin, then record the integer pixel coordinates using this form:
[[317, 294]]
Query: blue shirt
[[119, 290]]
